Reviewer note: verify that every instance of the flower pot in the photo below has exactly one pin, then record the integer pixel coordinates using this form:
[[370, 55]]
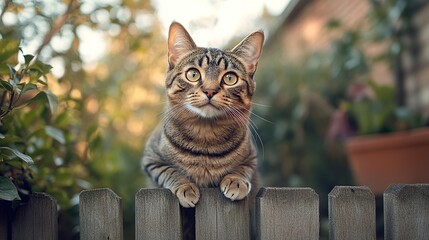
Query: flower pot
[[380, 160]]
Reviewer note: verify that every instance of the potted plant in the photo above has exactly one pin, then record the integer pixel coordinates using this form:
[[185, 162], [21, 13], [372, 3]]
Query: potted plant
[[385, 143]]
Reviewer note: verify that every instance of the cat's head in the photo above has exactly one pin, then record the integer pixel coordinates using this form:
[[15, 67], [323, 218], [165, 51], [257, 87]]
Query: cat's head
[[209, 82]]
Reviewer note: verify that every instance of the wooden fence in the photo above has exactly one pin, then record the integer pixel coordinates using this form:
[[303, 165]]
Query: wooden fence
[[281, 213]]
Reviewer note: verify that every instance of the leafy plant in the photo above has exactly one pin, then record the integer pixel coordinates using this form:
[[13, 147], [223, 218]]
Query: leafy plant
[[105, 109], [23, 92], [370, 107]]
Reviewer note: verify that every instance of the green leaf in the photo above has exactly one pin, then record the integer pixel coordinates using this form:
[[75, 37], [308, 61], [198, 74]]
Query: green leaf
[[28, 58], [8, 48], [52, 100], [16, 163], [42, 82], [34, 75], [55, 133], [384, 93], [4, 69], [6, 85], [8, 190], [48, 97], [12, 70], [28, 86], [9, 139], [16, 153], [41, 67]]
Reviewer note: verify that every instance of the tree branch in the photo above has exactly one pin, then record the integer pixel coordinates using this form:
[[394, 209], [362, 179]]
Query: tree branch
[[56, 27], [6, 4]]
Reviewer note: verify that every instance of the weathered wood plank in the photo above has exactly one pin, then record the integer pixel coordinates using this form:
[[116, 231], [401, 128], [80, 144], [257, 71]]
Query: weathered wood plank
[[406, 212], [100, 214], [217, 217], [287, 213], [157, 215], [38, 219], [351, 213], [4, 208]]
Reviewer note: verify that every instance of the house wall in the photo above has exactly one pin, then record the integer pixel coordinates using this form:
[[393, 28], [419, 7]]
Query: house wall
[[304, 30], [416, 63]]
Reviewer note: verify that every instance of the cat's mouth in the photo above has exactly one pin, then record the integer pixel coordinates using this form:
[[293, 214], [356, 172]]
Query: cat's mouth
[[209, 104], [206, 110]]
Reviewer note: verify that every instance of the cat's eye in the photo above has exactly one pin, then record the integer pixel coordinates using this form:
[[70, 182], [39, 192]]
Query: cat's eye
[[193, 75], [230, 78]]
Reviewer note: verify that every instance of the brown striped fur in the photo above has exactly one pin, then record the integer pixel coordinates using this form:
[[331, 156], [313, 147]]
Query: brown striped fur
[[204, 139]]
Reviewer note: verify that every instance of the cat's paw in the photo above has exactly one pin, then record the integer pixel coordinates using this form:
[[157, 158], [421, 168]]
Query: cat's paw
[[235, 188], [188, 195]]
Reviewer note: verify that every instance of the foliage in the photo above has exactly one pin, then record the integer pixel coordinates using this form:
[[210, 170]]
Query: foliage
[[104, 108], [377, 113], [23, 98], [329, 93], [370, 107]]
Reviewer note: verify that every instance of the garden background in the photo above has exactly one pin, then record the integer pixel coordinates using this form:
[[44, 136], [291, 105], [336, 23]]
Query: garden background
[[82, 88]]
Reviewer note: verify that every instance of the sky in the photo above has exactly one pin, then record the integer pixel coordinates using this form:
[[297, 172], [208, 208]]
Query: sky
[[214, 22]]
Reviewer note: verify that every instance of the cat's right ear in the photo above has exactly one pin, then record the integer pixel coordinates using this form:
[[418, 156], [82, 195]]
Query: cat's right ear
[[179, 43]]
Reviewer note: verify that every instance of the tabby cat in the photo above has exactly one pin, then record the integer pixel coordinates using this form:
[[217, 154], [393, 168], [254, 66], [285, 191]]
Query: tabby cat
[[204, 139]]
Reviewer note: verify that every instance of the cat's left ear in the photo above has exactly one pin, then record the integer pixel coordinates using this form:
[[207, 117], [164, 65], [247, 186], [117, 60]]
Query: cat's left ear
[[250, 49], [179, 43]]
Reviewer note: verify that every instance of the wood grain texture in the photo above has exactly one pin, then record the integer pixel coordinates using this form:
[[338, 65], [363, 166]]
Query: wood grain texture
[[217, 217], [406, 212], [38, 219], [351, 213], [157, 215], [100, 214], [4, 209], [287, 213]]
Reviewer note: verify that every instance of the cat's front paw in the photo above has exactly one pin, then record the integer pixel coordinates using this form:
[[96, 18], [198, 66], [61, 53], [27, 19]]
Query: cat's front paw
[[188, 194], [234, 187]]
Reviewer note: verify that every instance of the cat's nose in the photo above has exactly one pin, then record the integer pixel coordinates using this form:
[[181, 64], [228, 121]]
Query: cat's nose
[[210, 92]]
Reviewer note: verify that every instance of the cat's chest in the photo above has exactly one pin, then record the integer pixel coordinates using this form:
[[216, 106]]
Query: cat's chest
[[204, 153], [205, 176]]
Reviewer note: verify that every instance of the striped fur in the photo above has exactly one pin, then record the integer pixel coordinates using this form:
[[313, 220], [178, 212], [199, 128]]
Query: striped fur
[[204, 139]]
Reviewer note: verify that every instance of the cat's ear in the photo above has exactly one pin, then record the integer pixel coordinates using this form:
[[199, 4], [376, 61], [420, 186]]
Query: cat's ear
[[250, 49], [179, 43]]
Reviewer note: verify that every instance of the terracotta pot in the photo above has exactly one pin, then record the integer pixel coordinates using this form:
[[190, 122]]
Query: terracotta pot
[[380, 160]]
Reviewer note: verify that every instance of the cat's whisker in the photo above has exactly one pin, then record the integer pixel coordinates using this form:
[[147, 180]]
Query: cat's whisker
[[261, 105], [251, 125], [256, 115], [172, 112]]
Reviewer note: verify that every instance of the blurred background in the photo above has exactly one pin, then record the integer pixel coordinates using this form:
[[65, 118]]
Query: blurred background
[[330, 70]]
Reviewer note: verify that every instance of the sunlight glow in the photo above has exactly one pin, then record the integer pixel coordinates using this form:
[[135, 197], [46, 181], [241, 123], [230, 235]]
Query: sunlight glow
[[93, 45], [215, 23]]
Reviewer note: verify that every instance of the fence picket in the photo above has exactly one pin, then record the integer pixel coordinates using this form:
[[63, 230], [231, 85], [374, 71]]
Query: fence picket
[[217, 217], [281, 213], [406, 212], [38, 219], [157, 215], [351, 213], [287, 213], [3, 220], [100, 214]]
